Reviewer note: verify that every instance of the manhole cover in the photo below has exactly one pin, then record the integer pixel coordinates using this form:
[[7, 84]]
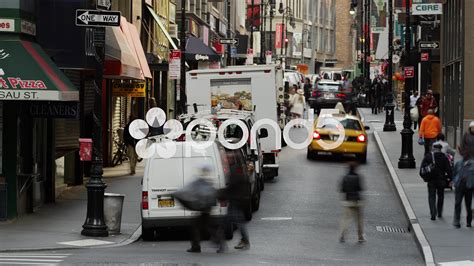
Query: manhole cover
[[391, 229]]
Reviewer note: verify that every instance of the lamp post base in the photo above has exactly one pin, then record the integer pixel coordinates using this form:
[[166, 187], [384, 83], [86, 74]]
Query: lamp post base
[[407, 161], [389, 118], [95, 225]]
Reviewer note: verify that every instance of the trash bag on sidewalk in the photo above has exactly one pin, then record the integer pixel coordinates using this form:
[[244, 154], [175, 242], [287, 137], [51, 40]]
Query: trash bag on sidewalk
[[199, 195]]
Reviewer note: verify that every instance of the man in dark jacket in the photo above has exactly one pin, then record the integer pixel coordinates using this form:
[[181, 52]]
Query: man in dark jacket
[[131, 142], [467, 145], [437, 181], [351, 186]]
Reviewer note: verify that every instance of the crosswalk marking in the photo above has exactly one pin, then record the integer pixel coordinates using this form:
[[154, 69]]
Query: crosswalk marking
[[31, 258]]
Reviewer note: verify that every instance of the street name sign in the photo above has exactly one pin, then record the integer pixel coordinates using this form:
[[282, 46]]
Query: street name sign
[[427, 9], [104, 4], [229, 41], [429, 45], [97, 18]]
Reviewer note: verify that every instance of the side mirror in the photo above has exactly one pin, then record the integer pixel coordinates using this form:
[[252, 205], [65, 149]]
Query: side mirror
[[263, 133], [366, 127]]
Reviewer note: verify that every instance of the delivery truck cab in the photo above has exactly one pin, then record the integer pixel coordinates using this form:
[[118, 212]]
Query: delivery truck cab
[[252, 88]]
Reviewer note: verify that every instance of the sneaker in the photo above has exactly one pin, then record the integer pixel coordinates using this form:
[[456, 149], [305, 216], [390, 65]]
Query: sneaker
[[457, 225], [243, 245], [194, 250], [468, 225], [362, 239]]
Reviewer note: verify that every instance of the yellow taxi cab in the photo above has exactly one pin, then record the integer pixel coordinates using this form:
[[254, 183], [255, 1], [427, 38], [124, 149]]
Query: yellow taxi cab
[[339, 133]]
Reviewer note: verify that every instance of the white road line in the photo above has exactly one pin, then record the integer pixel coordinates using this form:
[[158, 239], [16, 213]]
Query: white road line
[[33, 256], [32, 260], [25, 263], [277, 218]]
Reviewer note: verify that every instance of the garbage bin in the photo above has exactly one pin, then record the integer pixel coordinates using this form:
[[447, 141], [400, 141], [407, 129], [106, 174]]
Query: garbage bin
[[113, 205]]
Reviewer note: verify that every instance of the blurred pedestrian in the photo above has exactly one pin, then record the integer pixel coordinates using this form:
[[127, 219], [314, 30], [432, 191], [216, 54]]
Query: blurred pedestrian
[[130, 142], [307, 88], [414, 114], [429, 129], [203, 222], [467, 144], [352, 186], [428, 102], [297, 104], [445, 148], [464, 185], [236, 193], [440, 175]]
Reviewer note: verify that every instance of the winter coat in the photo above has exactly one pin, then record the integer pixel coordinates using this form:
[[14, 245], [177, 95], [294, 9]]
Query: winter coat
[[443, 170], [466, 169], [426, 104], [467, 145], [351, 186], [430, 127]]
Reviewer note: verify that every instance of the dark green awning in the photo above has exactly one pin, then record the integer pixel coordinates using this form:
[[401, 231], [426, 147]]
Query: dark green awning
[[27, 73]]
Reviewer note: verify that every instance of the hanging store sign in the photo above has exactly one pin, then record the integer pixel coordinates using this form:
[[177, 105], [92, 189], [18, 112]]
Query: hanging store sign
[[409, 72], [175, 65], [7, 25], [128, 89], [427, 9]]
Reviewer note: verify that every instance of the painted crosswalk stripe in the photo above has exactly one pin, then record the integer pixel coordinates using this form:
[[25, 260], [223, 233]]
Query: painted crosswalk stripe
[[277, 218]]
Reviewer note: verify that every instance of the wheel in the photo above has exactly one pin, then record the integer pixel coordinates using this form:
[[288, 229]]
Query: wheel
[[229, 231], [256, 200], [310, 155], [362, 157], [148, 234], [117, 158]]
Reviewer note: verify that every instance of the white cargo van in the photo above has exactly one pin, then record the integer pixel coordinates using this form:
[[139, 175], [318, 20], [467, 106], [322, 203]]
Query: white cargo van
[[163, 176], [252, 88]]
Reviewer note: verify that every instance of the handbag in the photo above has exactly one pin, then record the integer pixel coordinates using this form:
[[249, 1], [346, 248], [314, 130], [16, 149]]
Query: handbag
[[421, 141], [414, 114], [427, 170]]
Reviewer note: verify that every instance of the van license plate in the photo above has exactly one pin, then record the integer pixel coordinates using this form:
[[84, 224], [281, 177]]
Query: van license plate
[[165, 203]]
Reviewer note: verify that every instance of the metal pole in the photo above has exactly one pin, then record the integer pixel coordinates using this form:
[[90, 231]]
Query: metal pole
[[95, 225], [271, 31], [362, 37], [406, 158], [251, 25], [229, 48], [262, 32], [282, 35], [390, 107], [367, 39], [302, 45], [286, 37], [182, 89]]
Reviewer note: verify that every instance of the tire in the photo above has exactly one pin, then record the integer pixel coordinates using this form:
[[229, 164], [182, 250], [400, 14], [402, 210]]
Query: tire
[[229, 231], [362, 157], [256, 200], [148, 234], [117, 159]]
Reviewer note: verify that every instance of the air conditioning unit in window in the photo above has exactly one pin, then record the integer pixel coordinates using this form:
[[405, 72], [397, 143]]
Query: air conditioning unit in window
[[173, 31]]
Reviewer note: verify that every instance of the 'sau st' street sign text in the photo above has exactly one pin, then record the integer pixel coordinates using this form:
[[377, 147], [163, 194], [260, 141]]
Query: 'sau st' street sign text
[[97, 18], [229, 41]]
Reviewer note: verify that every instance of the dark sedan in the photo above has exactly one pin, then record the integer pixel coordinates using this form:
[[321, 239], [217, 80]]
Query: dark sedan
[[328, 93]]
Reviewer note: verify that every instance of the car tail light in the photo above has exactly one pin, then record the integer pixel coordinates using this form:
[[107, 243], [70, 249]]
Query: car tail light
[[145, 200], [361, 138], [316, 135], [316, 93], [223, 203], [341, 95]]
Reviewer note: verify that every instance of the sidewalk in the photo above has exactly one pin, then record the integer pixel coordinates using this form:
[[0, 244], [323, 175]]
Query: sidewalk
[[448, 245], [58, 225]]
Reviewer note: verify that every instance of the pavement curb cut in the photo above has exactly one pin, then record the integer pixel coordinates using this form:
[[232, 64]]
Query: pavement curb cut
[[420, 237], [133, 238]]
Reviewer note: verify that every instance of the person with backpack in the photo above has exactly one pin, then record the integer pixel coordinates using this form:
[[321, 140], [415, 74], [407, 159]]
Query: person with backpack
[[436, 171], [464, 186], [351, 186]]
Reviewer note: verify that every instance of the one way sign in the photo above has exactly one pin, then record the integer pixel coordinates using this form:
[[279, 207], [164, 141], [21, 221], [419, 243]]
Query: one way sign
[[97, 18]]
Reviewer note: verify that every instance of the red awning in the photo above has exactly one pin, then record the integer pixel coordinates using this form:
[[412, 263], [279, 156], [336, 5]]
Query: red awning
[[139, 50]]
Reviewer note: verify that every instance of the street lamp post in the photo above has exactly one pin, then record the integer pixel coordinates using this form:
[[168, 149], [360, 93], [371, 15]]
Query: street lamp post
[[251, 24], [406, 158], [367, 40], [182, 83], [390, 107], [263, 9]]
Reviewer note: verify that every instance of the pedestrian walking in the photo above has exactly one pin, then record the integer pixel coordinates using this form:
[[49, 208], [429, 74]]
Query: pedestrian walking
[[428, 102], [130, 142], [297, 104], [235, 194], [429, 129], [440, 174], [467, 144], [351, 185], [464, 185], [307, 88], [414, 112]]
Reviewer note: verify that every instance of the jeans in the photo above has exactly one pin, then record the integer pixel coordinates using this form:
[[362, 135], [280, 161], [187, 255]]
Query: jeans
[[236, 216], [436, 188], [132, 158], [428, 144], [352, 209], [462, 192]]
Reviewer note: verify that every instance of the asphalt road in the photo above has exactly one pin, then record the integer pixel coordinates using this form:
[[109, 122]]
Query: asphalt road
[[298, 223]]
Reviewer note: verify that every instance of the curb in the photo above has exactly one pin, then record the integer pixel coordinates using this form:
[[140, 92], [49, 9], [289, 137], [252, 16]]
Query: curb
[[420, 237], [133, 238]]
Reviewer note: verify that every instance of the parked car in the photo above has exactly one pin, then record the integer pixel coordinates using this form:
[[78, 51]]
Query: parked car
[[164, 176], [328, 93], [354, 142], [292, 78]]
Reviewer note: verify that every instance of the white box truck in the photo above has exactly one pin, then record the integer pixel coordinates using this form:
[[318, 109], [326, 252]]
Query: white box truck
[[253, 88]]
